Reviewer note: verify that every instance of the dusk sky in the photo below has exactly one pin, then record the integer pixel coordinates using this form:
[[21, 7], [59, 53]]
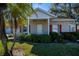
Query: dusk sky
[[44, 6]]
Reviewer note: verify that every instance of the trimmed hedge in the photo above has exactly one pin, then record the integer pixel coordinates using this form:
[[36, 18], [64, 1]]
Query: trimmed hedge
[[40, 38], [56, 37], [53, 37], [71, 36], [35, 38]]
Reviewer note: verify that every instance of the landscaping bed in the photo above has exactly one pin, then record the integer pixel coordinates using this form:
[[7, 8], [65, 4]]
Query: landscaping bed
[[55, 44], [54, 37]]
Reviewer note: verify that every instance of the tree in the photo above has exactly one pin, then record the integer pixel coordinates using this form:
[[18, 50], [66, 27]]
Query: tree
[[2, 28], [21, 23], [59, 9], [16, 10]]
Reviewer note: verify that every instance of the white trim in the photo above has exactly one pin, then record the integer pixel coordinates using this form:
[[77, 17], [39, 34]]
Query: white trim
[[72, 27], [28, 26], [48, 26]]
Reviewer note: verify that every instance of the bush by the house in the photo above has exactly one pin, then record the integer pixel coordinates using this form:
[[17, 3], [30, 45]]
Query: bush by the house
[[40, 38], [54, 35], [60, 39], [69, 36], [35, 38], [76, 34], [22, 37]]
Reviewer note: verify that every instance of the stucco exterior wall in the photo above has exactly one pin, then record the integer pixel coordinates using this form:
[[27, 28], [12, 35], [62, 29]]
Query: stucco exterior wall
[[34, 23], [65, 24]]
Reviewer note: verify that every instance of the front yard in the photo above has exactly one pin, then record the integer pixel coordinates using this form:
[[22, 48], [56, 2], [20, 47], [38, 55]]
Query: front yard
[[46, 49]]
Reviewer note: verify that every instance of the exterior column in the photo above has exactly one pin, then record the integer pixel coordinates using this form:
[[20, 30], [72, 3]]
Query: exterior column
[[48, 26], [28, 26], [76, 27]]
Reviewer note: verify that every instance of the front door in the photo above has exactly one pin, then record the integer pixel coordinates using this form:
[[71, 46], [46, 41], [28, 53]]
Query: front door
[[39, 29]]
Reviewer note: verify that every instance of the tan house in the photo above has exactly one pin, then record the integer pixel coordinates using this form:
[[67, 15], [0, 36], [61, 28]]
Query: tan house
[[44, 22]]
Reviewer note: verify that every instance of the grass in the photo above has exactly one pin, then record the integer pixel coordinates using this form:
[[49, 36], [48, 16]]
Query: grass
[[1, 49], [46, 49], [55, 49]]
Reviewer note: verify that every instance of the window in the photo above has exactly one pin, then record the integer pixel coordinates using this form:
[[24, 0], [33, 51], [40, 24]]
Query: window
[[72, 28], [54, 28]]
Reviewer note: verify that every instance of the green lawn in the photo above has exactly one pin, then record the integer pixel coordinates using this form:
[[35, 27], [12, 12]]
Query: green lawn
[[46, 49]]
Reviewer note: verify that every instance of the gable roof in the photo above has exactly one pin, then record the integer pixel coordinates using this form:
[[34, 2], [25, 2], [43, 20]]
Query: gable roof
[[45, 12], [41, 14]]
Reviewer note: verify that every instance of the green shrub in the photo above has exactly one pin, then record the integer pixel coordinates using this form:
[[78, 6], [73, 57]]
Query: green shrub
[[35, 38], [28, 37], [45, 38], [54, 36], [76, 34], [60, 39], [40, 38], [22, 37], [69, 36]]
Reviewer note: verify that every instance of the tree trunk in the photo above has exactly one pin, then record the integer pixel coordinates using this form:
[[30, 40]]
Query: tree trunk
[[3, 34], [14, 32]]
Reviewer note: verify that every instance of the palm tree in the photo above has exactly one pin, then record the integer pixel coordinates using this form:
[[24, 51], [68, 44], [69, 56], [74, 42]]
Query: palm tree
[[16, 10], [21, 22]]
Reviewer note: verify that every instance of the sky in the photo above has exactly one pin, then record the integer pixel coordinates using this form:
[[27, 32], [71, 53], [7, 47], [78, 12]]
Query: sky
[[45, 6]]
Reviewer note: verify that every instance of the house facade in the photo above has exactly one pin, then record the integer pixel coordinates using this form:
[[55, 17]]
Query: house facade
[[43, 22]]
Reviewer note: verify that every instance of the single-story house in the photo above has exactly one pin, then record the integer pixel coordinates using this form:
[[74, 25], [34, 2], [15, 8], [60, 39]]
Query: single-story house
[[43, 22]]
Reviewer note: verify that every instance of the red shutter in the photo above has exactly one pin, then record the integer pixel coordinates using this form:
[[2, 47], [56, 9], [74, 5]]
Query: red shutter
[[60, 28], [50, 28]]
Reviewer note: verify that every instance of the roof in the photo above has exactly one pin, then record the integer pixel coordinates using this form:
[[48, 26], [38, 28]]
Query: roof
[[41, 14], [45, 12], [62, 19]]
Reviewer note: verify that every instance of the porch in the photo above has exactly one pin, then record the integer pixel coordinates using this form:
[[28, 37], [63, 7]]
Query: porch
[[39, 26]]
